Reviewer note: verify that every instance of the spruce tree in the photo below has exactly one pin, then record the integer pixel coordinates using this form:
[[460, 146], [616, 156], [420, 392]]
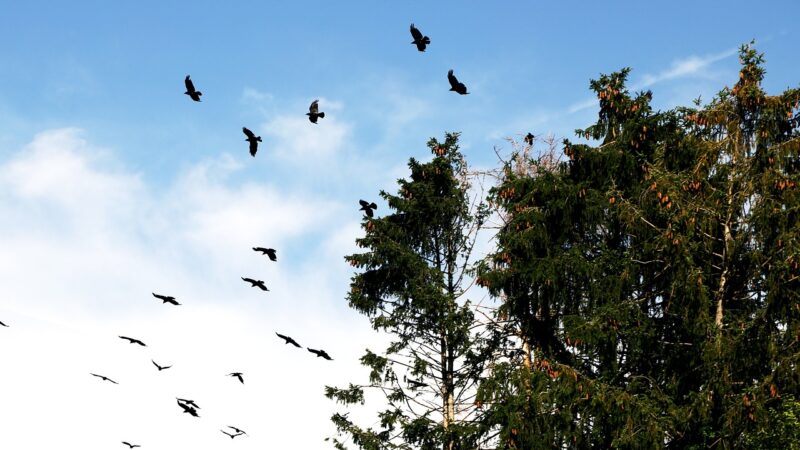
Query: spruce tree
[[411, 285], [654, 276]]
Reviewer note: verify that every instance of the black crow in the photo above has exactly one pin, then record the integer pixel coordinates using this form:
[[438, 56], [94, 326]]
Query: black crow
[[166, 299], [289, 340], [419, 40], [131, 445], [190, 90], [256, 283], [313, 112], [367, 207], [237, 375], [160, 368], [231, 435], [188, 402], [456, 85], [103, 378], [237, 430], [253, 140], [320, 353], [188, 409], [414, 383], [529, 139], [133, 341], [267, 251]]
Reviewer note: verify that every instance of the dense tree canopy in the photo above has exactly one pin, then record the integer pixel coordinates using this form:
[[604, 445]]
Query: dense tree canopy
[[647, 286]]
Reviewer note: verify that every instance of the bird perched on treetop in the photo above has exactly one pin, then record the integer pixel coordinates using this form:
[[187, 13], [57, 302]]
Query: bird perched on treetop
[[313, 112], [190, 90], [419, 40], [253, 140], [529, 139], [456, 85], [368, 208]]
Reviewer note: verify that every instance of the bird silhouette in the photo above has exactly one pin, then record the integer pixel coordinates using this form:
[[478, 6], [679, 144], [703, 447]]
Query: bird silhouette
[[166, 299], [160, 368], [414, 383], [1, 323], [103, 378], [229, 434], [529, 139], [270, 252], [188, 402], [456, 85], [188, 409], [368, 208], [289, 340], [320, 354], [313, 112], [419, 40], [253, 140], [237, 375], [237, 430], [190, 90], [256, 283], [131, 445], [133, 341]]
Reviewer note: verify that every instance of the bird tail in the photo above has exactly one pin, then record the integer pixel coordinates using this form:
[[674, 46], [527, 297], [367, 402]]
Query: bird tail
[[199, 93], [426, 40], [322, 115]]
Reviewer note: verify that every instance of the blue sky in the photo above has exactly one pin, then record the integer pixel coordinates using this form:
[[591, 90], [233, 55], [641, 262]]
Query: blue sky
[[113, 184]]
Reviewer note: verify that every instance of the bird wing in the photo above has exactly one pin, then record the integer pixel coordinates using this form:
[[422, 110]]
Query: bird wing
[[248, 133], [314, 107], [189, 84], [237, 430], [285, 338], [415, 33], [293, 342], [452, 79], [249, 280], [363, 203], [156, 364]]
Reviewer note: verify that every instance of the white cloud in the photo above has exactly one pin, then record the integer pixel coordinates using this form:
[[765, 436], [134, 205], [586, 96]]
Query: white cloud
[[85, 242]]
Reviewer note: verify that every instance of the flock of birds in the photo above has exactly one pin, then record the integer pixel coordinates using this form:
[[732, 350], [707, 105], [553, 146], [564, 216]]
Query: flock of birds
[[189, 406]]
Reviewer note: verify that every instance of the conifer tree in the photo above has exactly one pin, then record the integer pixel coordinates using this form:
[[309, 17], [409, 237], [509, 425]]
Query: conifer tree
[[412, 284], [655, 277]]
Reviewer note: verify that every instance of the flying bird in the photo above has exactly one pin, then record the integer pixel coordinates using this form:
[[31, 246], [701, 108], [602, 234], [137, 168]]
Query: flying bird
[[133, 341], [456, 85], [289, 340], [419, 40], [313, 112], [131, 445], [229, 434], [160, 368], [190, 90], [237, 375], [103, 378], [253, 140], [267, 251], [529, 139], [367, 207], [256, 283], [320, 353], [237, 430], [166, 299], [188, 402], [414, 383], [188, 409]]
